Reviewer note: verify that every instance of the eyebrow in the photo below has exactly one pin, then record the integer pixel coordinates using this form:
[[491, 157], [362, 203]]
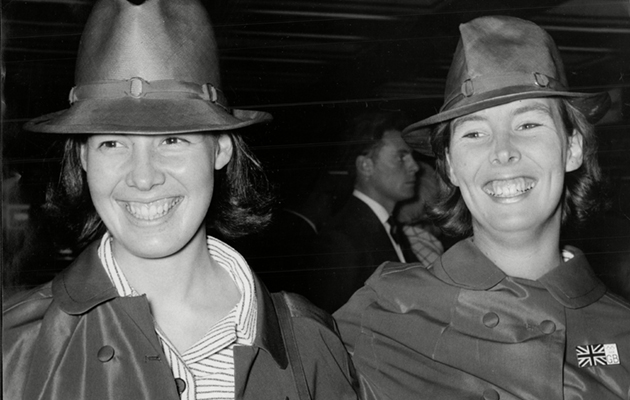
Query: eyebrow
[[466, 118], [532, 107]]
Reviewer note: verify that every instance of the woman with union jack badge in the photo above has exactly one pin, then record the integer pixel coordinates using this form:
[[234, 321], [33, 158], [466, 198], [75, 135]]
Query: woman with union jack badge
[[506, 313]]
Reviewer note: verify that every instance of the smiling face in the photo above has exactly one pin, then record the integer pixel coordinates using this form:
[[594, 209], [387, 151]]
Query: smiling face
[[153, 192], [509, 163]]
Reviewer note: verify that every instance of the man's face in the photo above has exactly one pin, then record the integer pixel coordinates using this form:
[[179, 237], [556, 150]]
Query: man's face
[[153, 192], [393, 176], [509, 163]]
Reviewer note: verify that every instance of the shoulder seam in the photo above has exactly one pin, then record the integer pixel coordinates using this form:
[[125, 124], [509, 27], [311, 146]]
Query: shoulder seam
[[301, 307]]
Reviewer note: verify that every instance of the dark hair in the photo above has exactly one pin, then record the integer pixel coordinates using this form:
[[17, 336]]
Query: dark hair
[[582, 187], [241, 203], [366, 131]]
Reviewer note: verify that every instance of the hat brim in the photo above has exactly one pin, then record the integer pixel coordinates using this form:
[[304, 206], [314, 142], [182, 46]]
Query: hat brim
[[593, 105], [144, 117]]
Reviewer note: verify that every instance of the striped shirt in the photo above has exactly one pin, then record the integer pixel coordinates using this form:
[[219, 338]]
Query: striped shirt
[[206, 369]]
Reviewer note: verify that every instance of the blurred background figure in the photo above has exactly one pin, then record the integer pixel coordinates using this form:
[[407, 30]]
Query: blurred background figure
[[412, 214], [364, 233]]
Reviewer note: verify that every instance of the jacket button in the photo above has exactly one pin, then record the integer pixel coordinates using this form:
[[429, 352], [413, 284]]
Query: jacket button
[[491, 320], [490, 394], [547, 327], [181, 385], [106, 353]]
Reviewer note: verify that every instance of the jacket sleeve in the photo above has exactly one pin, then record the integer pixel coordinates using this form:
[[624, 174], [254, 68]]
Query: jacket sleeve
[[328, 367], [22, 317]]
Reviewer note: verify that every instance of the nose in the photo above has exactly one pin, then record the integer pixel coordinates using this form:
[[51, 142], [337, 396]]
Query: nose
[[504, 150], [144, 172]]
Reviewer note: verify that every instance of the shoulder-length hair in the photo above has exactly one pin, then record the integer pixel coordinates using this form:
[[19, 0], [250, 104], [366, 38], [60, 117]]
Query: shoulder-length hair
[[582, 187], [241, 203]]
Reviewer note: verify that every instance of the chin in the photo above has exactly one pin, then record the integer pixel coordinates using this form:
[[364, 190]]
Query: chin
[[156, 247], [155, 252]]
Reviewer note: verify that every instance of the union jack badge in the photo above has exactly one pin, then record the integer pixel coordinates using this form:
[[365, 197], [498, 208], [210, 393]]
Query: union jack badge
[[593, 355]]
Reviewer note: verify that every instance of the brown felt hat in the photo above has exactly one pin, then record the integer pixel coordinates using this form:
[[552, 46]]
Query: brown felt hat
[[498, 60], [147, 67]]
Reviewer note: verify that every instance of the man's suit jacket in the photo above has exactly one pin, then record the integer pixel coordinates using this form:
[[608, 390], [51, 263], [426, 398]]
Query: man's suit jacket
[[347, 252]]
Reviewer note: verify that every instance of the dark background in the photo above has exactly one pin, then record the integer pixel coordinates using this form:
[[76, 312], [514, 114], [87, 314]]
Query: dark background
[[313, 65]]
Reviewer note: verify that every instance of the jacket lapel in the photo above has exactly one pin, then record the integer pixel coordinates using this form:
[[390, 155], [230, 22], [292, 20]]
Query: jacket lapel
[[84, 284]]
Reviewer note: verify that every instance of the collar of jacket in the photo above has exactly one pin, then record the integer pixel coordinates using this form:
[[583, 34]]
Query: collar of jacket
[[85, 284], [573, 283]]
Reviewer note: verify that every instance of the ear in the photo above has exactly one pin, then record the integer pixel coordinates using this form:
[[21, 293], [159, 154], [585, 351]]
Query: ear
[[451, 174], [575, 154], [364, 165], [84, 156], [223, 151]]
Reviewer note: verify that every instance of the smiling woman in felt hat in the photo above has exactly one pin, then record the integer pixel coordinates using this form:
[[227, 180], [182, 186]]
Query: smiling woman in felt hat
[[506, 313], [154, 308]]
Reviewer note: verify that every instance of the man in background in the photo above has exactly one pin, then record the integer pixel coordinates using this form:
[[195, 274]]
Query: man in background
[[364, 234]]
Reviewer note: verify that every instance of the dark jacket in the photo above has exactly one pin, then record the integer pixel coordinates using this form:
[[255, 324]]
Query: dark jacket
[[75, 338], [464, 330], [347, 252]]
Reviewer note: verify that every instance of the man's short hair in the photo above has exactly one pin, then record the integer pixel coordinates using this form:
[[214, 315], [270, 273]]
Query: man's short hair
[[366, 131], [582, 187], [241, 202]]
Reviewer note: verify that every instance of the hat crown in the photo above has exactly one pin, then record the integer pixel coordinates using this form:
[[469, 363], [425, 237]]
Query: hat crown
[[496, 46], [154, 40]]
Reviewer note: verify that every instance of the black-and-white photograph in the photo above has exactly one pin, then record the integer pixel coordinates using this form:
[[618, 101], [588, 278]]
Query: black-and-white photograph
[[339, 199]]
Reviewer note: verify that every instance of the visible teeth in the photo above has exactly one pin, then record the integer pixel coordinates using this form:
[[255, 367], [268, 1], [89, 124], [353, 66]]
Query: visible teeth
[[151, 211], [509, 187]]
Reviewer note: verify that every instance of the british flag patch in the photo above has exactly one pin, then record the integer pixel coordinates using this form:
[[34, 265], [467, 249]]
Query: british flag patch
[[593, 355]]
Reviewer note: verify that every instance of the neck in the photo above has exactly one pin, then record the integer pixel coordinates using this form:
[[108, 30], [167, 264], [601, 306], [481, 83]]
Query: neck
[[528, 255], [176, 276]]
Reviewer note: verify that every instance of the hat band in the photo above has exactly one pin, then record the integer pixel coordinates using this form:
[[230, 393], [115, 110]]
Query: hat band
[[139, 88], [484, 84]]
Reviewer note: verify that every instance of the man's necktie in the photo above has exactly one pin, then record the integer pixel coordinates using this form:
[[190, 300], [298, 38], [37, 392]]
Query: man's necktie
[[396, 230], [399, 236]]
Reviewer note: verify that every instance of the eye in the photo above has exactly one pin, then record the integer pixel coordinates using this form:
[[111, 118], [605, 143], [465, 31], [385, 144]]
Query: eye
[[472, 135], [175, 140], [529, 125], [109, 144]]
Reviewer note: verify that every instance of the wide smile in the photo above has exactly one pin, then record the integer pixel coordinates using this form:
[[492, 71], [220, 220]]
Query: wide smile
[[508, 188], [153, 210]]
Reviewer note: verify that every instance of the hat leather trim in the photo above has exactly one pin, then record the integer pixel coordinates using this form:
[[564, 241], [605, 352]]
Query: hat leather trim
[[140, 88]]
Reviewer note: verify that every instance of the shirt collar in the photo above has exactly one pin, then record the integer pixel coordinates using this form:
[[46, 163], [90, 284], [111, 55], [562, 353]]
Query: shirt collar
[[378, 209], [572, 283], [225, 256]]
